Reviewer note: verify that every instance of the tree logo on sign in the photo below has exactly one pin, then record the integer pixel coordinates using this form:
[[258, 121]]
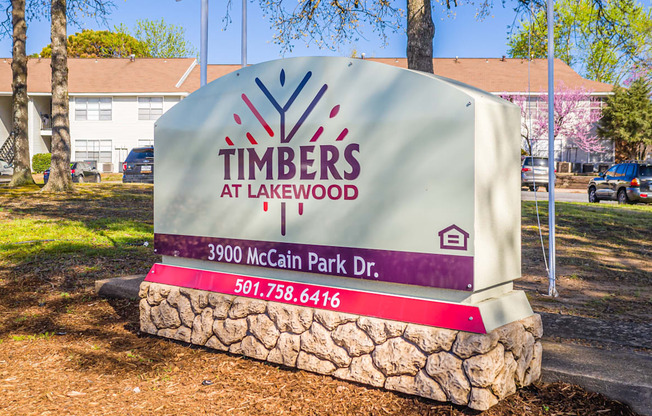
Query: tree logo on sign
[[311, 171]]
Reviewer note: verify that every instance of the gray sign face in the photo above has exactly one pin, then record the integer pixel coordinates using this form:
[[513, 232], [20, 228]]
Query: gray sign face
[[339, 167]]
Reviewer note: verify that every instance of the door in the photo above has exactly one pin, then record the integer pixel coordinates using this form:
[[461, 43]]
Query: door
[[602, 184], [122, 156], [614, 181]]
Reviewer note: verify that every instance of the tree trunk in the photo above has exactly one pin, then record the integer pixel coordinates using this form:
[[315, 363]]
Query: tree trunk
[[60, 180], [22, 167], [420, 33]]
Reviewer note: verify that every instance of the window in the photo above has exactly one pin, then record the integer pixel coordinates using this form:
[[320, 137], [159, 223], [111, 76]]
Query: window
[[97, 150], [529, 161], [150, 108], [630, 170], [645, 170], [620, 171], [596, 106], [140, 153], [531, 104], [93, 109]]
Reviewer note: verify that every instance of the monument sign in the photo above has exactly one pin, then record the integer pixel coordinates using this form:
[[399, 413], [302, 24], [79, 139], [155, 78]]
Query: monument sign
[[339, 185]]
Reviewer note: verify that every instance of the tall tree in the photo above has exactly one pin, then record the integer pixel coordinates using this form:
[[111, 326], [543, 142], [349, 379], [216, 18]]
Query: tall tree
[[101, 44], [420, 34], [60, 179], [627, 120], [37, 9], [161, 40], [605, 40], [22, 169], [331, 23]]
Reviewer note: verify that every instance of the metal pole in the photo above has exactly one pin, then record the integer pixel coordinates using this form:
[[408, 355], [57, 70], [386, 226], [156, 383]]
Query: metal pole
[[244, 33], [203, 57], [552, 287]]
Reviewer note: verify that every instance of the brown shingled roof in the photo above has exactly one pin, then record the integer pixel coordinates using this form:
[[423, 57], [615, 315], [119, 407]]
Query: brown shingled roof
[[145, 75], [213, 72], [508, 75], [490, 74], [115, 75]]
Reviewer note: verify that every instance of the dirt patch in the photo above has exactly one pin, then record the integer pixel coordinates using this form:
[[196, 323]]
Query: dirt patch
[[571, 181]]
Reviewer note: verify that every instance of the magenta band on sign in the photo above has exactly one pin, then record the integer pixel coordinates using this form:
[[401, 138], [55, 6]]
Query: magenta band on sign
[[420, 269], [404, 309]]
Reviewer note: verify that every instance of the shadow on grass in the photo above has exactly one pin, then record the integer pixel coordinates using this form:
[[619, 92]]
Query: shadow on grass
[[591, 237], [57, 245]]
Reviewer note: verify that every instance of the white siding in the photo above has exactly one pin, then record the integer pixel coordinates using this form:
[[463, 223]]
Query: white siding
[[5, 118], [38, 105], [124, 129]]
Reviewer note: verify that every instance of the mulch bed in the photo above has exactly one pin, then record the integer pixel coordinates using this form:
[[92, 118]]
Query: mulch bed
[[91, 359]]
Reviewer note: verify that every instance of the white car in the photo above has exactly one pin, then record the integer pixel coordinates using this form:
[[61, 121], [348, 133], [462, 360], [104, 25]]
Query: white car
[[6, 171]]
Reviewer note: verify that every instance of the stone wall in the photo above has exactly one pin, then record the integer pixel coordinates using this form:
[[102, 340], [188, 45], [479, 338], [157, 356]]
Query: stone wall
[[441, 364]]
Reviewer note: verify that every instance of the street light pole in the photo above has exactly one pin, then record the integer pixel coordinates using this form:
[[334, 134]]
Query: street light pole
[[552, 285], [243, 51], [203, 57], [203, 49]]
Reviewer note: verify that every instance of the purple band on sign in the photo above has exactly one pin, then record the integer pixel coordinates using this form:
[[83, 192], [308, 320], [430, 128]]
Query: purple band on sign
[[419, 269]]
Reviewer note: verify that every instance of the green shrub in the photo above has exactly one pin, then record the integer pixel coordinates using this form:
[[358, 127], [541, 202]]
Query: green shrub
[[41, 162]]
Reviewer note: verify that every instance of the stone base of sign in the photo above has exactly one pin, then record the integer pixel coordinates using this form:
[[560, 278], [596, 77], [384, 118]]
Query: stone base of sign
[[469, 369]]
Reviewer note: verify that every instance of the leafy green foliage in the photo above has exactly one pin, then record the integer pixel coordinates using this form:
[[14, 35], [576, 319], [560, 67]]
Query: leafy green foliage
[[627, 119], [161, 39], [604, 39], [41, 162], [101, 44]]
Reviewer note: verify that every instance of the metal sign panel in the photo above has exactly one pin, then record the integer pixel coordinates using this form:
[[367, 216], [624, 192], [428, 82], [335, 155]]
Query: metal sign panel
[[328, 166]]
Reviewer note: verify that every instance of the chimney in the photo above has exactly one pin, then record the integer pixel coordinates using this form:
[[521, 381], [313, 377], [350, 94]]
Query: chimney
[[132, 57]]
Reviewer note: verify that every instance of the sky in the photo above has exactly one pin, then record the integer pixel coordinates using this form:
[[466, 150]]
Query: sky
[[461, 35]]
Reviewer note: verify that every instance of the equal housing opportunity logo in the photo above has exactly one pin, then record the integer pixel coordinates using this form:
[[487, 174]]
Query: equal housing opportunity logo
[[320, 168]]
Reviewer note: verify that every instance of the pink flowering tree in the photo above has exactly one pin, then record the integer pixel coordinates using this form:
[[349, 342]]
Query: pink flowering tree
[[574, 119], [642, 70], [522, 102]]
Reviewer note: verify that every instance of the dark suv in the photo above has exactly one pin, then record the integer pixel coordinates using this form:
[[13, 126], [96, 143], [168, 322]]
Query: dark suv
[[139, 165], [626, 182]]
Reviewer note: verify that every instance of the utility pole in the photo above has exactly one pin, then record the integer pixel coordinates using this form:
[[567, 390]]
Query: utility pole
[[552, 285], [243, 52], [203, 57]]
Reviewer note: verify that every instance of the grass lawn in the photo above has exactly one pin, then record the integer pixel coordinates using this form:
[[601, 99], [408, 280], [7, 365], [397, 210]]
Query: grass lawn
[[63, 350], [604, 260]]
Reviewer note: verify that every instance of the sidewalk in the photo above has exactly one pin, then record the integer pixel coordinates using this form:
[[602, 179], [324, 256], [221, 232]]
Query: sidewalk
[[609, 357]]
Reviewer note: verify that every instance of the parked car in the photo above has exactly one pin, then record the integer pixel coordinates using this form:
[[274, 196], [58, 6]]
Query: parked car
[[534, 172], [139, 165], [6, 171], [626, 182], [81, 172]]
